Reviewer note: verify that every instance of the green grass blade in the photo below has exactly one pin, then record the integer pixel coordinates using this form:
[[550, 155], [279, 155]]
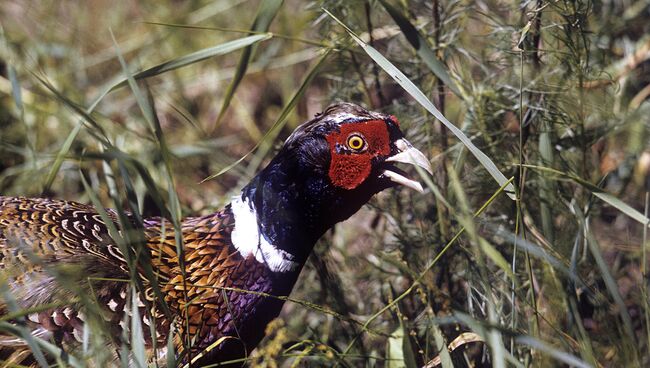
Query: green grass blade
[[623, 207], [12, 305], [546, 186], [279, 123], [559, 355], [496, 257], [397, 351], [421, 46], [600, 193], [137, 336], [644, 271], [15, 89], [96, 130], [152, 189], [52, 350], [419, 96], [535, 251], [124, 353], [266, 12], [153, 71], [61, 155], [186, 60], [130, 241], [171, 356], [608, 278], [113, 231], [143, 102]]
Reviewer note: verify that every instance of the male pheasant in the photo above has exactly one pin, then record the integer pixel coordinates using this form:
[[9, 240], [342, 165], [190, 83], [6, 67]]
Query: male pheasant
[[236, 260]]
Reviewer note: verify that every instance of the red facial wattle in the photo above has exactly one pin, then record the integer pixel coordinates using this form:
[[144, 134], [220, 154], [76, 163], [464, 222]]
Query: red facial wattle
[[349, 167]]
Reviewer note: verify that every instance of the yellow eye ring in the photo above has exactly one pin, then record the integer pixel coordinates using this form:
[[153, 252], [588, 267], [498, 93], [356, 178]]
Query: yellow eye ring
[[356, 142]]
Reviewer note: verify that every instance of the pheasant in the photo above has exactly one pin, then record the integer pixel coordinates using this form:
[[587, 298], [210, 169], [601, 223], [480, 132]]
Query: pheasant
[[237, 261]]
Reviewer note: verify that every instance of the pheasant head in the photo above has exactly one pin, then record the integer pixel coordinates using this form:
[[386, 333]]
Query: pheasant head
[[326, 170]]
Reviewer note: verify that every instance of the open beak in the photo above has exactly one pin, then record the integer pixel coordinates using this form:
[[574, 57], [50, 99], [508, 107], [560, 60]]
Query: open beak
[[409, 155]]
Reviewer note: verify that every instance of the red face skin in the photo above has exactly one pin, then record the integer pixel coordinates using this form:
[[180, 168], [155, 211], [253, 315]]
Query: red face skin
[[349, 167]]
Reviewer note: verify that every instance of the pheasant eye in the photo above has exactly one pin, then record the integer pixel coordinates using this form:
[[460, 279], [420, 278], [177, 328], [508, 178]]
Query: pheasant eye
[[356, 142]]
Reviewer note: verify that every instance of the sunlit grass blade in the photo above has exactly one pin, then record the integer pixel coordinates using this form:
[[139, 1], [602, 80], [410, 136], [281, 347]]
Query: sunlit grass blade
[[186, 60], [419, 96], [644, 266], [124, 159], [126, 237], [546, 186], [142, 101], [421, 46], [623, 207], [96, 130], [130, 241], [399, 353], [155, 70], [536, 251], [61, 155], [496, 257], [16, 90], [137, 337], [281, 120], [124, 352], [608, 279], [266, 12], [112, 228], [600, 193], [170, 353], [42, 345], [554, 352]]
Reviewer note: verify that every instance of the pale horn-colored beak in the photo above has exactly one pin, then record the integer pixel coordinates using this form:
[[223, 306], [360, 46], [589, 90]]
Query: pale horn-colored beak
[[409, 155]]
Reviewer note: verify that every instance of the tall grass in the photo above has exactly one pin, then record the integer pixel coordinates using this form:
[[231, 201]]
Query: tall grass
[[528, 247]]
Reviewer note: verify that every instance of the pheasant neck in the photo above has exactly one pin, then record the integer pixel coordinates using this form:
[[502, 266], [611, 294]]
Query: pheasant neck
[[294, 208], [248, 238]]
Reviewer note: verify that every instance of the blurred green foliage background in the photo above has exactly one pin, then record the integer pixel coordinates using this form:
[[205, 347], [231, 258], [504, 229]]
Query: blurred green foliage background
[[554, 92]]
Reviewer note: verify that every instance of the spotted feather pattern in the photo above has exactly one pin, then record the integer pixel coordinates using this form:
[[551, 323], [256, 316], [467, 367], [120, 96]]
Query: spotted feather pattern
[[219, 295]]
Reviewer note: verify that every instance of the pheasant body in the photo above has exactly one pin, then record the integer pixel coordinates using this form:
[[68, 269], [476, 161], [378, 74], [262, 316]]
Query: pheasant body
[[237, 261], [59, 231]]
